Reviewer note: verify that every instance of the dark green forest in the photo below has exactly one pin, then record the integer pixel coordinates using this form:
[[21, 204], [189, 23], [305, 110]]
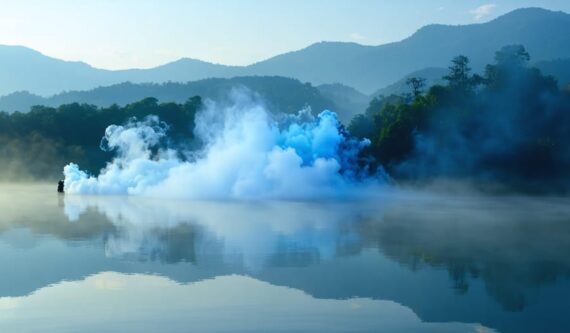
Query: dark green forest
[[37, 144], [509, 125]]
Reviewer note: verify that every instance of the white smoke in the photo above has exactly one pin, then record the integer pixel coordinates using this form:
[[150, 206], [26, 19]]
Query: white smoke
[[258, 230], [248, 153]]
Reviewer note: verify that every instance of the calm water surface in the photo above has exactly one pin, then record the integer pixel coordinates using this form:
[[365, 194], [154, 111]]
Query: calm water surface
[[403, 262]]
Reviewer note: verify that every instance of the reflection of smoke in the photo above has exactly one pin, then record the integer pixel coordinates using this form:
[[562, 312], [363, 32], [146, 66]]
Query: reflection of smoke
[[144, 230], [247, 154], [251, 233]]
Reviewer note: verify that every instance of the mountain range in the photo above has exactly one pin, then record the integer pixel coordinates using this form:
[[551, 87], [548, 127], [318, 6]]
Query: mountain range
[[366, 68], [559, 69], [345, 101]]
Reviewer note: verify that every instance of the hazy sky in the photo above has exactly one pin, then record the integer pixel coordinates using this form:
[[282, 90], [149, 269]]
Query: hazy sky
[[144, 33]]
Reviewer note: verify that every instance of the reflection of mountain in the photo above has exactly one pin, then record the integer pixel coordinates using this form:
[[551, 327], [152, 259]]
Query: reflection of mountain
[[500, 254], [128, 303]]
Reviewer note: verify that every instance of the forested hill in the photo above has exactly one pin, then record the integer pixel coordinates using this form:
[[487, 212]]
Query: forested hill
[[559, 69], [37, 144], [281, 94], [508, 126]]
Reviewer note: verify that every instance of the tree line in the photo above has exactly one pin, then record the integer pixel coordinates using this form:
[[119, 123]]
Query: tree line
[[37, 144], [510, 125]]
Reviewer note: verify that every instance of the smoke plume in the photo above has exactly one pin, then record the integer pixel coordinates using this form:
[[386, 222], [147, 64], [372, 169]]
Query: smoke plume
[[248, 153]]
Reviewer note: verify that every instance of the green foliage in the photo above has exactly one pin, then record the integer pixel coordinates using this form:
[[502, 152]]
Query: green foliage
[[512, 126], [390, 123], [513, 130], [37, 144], [459, 72]]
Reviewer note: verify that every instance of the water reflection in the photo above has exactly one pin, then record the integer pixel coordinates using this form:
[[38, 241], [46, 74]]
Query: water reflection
[[514, 245], [118, 300], [501, 262], [252, 234]]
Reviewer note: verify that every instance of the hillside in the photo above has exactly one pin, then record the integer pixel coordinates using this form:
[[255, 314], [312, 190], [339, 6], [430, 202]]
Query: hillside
[[559, 68], [365, 68], [269, 88], [432, 76], [347, 99]]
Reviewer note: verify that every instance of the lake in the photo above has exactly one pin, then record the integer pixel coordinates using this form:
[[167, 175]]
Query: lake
[[405, 261]]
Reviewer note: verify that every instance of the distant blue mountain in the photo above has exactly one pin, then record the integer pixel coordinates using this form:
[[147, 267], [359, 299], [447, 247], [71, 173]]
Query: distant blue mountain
[[343, 100], [559, 68], [432, 76], [544, 33]]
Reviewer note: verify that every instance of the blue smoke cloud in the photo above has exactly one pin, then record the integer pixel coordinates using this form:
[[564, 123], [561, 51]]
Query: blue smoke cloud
[[248, 154]]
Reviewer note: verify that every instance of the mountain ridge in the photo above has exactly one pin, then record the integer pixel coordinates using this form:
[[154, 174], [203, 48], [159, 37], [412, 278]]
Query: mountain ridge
[[268, 89], [363, 67]]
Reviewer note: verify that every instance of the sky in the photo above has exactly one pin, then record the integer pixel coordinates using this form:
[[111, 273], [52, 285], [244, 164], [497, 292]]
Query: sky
[[119, 34]]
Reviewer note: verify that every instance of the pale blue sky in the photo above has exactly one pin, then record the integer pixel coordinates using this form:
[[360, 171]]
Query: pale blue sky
[[144, 33]]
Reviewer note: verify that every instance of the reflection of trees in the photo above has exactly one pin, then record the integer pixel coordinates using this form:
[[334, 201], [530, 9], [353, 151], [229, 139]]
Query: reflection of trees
[[513, 251], [168, 245], [39, 209], [514, 248]]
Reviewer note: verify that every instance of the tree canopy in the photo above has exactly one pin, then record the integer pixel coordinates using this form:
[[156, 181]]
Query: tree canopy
[[510, 126], [37, 144]]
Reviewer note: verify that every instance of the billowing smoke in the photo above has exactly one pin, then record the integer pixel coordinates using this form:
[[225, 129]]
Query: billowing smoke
[[247, 153]]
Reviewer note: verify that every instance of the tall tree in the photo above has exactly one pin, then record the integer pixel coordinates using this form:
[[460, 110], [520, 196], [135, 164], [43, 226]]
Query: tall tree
[[509, 59], [512, 55], [459, 72], [417, 85]]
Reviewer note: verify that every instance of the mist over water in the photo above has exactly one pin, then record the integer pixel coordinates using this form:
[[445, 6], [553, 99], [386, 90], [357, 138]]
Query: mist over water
[[248, 153], [499, 261], [257, 229]]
